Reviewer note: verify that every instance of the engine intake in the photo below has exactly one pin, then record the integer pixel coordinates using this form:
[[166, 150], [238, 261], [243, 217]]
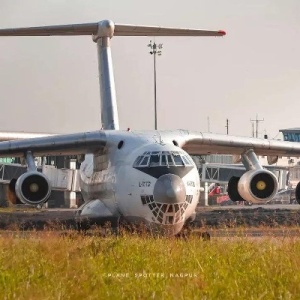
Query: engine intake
[[258, 186], [33, 188]]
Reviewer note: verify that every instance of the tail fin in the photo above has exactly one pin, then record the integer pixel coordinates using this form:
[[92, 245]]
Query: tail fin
[[102, 32]]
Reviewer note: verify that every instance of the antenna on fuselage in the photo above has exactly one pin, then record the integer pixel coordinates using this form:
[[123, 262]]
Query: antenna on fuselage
[[102, 32]]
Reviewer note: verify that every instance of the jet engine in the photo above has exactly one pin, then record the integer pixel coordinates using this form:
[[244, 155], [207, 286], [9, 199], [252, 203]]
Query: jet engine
[[297, 193], [232, 190], [33, 188], [255, 186]]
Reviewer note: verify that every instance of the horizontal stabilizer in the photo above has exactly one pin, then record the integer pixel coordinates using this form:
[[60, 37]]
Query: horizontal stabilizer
[[119, 30], [132, 30], [74, 29]]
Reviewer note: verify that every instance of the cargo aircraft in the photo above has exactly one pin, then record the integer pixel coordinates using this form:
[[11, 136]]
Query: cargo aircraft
[[144, 177]]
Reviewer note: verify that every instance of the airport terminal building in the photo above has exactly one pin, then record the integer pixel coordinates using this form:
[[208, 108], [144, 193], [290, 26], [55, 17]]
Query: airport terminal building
[[291, 135]]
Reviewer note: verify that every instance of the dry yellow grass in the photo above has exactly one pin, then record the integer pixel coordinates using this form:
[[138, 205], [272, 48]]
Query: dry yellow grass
[[50, 266]]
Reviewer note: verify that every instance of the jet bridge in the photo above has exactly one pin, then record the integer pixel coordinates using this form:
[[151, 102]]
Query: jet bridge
[[62, 179]]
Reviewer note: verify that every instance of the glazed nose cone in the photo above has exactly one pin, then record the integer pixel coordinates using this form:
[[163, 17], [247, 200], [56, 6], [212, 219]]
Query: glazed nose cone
[[169, 188]]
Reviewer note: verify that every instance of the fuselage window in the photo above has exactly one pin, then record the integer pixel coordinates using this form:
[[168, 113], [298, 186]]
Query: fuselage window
[[145, 161], [178, 160], [154, 161]]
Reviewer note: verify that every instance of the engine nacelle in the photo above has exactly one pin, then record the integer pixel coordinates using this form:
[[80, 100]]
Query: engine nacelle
[[297, 193], [233, 189], [33, 188], [258, 186]]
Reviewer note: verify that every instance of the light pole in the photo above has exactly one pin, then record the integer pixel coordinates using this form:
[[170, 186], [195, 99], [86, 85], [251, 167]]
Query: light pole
[[155, 49]]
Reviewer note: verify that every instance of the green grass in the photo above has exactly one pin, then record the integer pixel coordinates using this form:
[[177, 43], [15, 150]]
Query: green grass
[[49, 266]]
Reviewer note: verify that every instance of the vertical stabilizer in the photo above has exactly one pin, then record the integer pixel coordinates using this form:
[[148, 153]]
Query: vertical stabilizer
[[109, 108], [102, 32]]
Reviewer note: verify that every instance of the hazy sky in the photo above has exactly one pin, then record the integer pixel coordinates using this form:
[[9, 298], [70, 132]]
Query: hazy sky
[[50, 84]]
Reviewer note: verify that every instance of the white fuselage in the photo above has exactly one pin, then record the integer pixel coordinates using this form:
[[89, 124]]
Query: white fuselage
[[144, 178]]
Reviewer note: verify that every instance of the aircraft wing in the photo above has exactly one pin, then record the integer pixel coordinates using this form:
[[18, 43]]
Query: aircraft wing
[[7, 136], [66, 144], [192, 142], [209, 143]]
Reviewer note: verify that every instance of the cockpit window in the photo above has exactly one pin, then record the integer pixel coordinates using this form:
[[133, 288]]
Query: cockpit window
[[145, 161], [178, 161], [138, 160], [163, 158], [154, 160], [170, 160], [186, 160]]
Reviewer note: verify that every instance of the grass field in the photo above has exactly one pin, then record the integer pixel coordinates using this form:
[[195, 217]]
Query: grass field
[[48, 266]]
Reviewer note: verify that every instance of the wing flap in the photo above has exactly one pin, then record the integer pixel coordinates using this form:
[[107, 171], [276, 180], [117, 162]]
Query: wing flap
[[68, 144]]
